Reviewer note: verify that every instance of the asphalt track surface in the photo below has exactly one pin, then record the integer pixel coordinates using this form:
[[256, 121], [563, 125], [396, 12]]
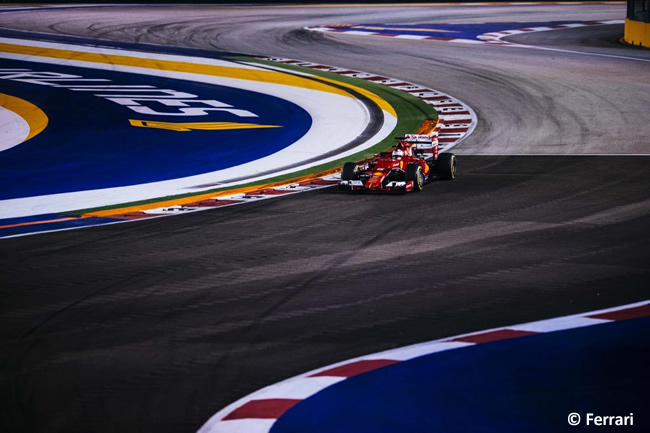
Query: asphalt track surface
[[158, 324]]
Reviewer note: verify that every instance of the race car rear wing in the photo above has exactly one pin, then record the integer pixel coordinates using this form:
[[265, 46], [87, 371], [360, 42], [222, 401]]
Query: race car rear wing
[[416, 138], [426, 138], [426, 134]]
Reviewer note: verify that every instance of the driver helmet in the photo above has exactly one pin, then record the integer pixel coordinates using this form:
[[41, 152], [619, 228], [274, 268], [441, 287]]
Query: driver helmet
[[398, 153], [405, 146]]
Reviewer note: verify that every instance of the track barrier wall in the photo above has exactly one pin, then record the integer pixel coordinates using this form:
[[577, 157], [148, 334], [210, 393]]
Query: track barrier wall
[[637, 23]]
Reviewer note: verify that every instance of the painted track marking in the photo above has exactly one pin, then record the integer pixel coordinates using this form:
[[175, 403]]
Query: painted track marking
[[258, 412], [490, 38], [19, 121]]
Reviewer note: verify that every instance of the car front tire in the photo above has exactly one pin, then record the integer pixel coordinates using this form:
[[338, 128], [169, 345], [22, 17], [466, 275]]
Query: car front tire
[[414, 174], [350, 171]]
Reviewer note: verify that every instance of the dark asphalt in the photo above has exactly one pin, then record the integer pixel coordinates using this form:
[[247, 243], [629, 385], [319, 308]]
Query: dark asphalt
[[154, 326]]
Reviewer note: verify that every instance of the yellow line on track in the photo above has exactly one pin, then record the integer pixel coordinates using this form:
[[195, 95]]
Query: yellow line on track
[[201, 126], [220, 71], [33, 223], [34, 116], [167, 65]]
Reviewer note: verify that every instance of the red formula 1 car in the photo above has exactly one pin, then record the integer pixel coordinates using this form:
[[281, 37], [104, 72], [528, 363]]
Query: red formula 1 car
[[413, 162]]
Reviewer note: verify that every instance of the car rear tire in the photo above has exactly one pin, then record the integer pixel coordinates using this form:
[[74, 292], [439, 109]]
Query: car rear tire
[[414, 174], [350, 171], [446, 166]]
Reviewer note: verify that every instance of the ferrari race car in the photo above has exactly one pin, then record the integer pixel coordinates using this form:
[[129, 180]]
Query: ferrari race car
[[410, 164]]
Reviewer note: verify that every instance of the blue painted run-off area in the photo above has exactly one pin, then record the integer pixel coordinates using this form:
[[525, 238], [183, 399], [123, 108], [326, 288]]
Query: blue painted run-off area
[[446, 31], [89, 143], [526, 384]]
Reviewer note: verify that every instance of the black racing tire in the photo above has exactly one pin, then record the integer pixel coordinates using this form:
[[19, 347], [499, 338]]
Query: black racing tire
[[446, 166], [414, 173], [350, 171]]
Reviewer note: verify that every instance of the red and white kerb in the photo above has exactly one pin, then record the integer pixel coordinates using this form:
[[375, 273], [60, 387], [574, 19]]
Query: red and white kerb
[[257, 412]]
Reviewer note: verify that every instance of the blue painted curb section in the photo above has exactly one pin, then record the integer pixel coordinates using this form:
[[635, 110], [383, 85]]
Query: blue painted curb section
[[444, 31], [528, 384], [468, 33], [532, 377]]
